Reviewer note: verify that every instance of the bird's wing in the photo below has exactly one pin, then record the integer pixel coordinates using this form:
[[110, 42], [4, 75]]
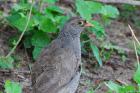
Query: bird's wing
[[43, 59], [54, 70]]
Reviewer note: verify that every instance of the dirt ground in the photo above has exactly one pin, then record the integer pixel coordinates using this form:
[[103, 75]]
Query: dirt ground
[[93, 76], [115, 69]]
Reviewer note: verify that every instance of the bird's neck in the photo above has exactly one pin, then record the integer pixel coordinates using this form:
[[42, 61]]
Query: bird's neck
[[68, 35], [71, 41]]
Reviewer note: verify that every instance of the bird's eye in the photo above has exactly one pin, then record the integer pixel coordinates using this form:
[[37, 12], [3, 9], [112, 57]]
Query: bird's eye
[[81, 23]]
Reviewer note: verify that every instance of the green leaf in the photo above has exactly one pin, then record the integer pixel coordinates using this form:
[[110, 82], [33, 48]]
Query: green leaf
[[40, 39], [109, 11], [56, 9], [53, 11], [36, 52], [91, 7], [17, 7], [12, 87], [37, 18], [27, 42], [87, 8], [83, 9], [97, 29], [6, 62], [129, 8], [90, 91], [127, 89], [136, 76], [21, 7], [95, 51], [113, 86], [94, 7], [46, 25], [23, 1], [50, 1], [61, 20], [19, 21]]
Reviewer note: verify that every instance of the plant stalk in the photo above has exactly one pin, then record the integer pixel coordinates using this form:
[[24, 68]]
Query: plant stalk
[[22, 34]]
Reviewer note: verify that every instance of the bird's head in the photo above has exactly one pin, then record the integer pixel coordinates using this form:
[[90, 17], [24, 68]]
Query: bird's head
[[75, 26]]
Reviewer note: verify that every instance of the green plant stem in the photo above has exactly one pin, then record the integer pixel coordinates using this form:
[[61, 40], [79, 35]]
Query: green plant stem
[[134, 42], [26, 26], [136, 53], [134, 36], [101, 84], [86, 41]]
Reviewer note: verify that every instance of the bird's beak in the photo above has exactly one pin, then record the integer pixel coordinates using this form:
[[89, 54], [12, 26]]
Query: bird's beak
[[87, 24]]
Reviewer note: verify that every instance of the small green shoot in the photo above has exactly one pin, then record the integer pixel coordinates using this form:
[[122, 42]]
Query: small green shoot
[[12, 87], [95, 51], [6, 62]]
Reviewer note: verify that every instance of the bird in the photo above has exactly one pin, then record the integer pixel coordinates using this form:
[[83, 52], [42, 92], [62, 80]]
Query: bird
[[58, 68]]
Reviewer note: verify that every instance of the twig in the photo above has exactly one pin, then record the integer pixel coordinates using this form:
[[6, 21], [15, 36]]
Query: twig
[[28, 20], [20, 76], [10, 71], [131, 2], [121, 82], [24, 72], [132, 31], [134, 42], [5, 71], [86, 41]]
